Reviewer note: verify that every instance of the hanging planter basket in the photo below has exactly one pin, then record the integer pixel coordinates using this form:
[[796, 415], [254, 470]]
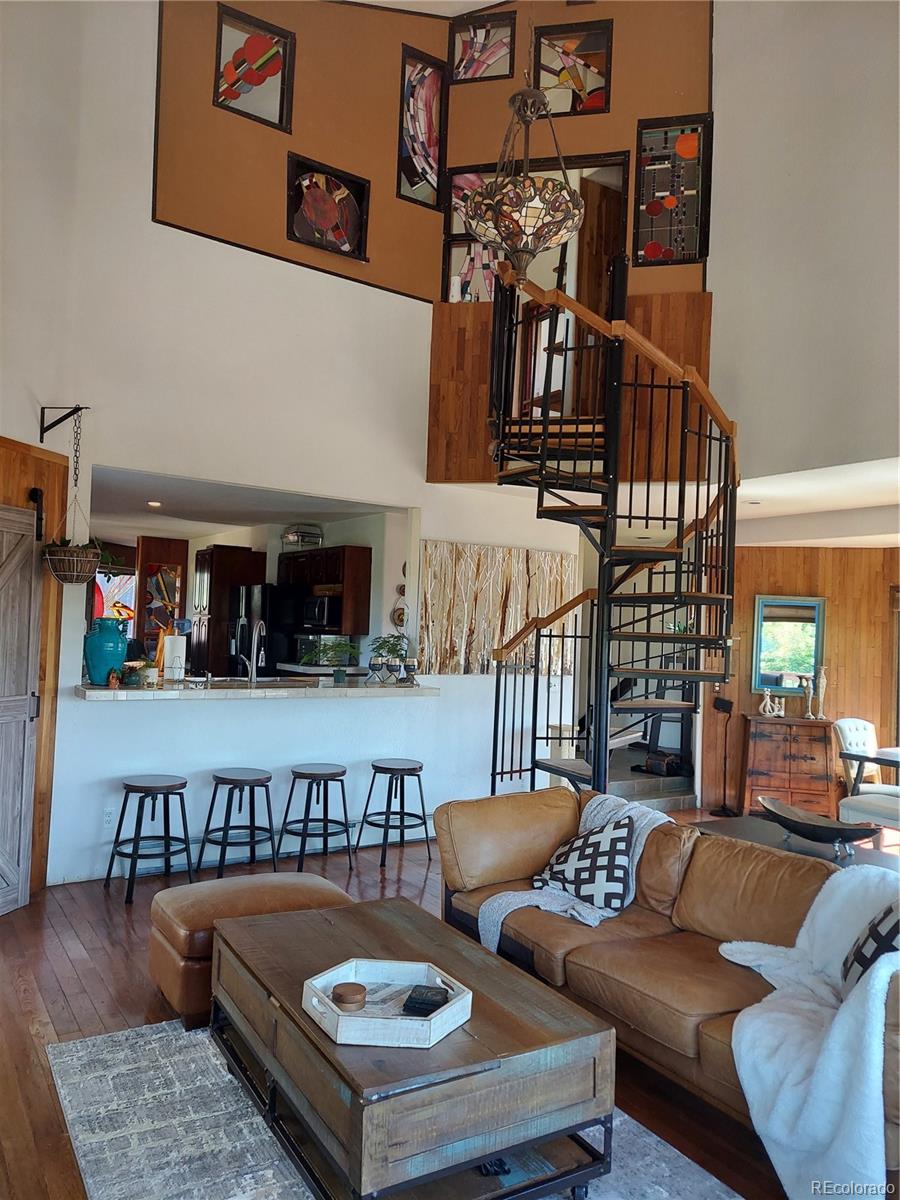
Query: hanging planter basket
[[72, 564]]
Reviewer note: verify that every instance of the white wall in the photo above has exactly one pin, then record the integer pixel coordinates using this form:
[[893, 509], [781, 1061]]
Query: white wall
[[803, 247], [203, 360]]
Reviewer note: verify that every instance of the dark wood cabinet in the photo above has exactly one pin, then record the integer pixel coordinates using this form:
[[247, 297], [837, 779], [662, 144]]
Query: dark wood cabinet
[[790, 759], [340, 574], [217, 569]]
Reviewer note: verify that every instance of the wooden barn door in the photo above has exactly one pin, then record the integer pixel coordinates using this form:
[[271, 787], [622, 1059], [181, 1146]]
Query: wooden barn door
[[20, 607]]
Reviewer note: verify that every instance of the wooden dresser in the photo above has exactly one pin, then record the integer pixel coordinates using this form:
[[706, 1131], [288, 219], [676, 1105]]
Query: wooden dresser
[[792, 760]]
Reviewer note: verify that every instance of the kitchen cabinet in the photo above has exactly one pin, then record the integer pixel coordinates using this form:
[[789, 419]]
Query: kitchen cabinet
[[792, 760], [342, 575], [217, 569]]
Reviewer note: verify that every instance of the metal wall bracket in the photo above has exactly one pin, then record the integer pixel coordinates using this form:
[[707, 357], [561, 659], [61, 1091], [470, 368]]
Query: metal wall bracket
[[67, 415], [36, 497]]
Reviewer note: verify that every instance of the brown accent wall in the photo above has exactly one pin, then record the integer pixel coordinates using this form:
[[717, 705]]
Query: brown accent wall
[[223, 176], [23, 467], [660, 68], [860, 654]]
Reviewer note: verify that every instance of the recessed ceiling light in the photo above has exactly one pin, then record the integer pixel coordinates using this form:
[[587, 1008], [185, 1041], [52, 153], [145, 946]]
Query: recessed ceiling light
[[154, 503], [644, 537], [753, 501]]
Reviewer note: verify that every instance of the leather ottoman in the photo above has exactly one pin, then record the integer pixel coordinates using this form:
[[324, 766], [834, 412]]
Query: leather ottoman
[[182, 920]]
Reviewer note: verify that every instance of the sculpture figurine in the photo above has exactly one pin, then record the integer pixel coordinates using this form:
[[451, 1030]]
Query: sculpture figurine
[[808, 692], [823, 684]]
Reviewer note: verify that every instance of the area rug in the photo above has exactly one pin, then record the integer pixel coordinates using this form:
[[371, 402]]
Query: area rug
[[153, 1114]]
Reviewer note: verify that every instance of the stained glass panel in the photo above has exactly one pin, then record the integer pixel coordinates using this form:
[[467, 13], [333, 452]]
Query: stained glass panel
[[327, 208], [483, 48], [255, 64], [572, 65], [421, 122], [672, 196]]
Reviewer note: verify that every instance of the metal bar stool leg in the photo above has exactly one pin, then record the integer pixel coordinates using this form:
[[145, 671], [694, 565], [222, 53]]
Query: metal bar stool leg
[[187, 840], [135, 848], [323, 788], [387, 821], [112, 853], [271, 827], [346, 822], [287, 813], [362, 823], [251, 809], [167, 837], [401, 783], [304, 833], [226, 829], [209, 817], [424, 817]]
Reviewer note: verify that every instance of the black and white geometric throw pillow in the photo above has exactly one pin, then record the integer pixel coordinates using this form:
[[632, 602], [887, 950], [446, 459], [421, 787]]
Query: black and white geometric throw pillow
[[880, 936], [593, 866]]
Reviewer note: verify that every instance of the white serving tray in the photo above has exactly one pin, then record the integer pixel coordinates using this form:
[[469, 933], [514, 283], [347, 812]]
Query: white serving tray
[[381, 1022]]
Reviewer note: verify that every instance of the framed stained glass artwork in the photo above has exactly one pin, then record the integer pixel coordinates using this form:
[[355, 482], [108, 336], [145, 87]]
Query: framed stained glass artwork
[[254, 68], [671, 207], [572, 64], [423, 103], [482, 47], [326, 207]]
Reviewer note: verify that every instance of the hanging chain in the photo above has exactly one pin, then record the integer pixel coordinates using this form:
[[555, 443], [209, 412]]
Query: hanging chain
[[76, 450]]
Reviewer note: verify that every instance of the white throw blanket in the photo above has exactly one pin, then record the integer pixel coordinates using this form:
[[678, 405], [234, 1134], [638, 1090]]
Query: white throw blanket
[[599, 811], [810, 1066]]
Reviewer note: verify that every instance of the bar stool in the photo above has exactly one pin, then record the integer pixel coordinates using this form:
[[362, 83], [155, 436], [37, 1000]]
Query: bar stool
[[317, 776], [239, 779], [397, 771], [152, 788]]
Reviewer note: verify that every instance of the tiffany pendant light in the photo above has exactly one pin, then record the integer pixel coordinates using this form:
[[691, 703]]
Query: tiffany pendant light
[[519, 213]]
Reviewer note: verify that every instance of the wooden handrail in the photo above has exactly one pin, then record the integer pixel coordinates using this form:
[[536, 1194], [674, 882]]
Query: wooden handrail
[[557, 298], [503, 652], [628, 334]]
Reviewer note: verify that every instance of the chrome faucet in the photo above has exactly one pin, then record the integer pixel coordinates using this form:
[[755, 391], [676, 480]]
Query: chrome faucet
[[257, 653]]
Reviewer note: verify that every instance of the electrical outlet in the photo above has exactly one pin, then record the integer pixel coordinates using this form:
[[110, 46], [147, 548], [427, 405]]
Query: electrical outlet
[[109, 817]]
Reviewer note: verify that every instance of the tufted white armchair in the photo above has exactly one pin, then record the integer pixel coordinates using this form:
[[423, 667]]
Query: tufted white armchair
[[859, 737]]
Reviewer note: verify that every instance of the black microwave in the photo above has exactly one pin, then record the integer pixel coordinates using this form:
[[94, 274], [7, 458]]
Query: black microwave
[[321, 612]]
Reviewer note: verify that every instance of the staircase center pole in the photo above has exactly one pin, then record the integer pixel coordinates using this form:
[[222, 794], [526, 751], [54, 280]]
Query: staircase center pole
[[612, 398]]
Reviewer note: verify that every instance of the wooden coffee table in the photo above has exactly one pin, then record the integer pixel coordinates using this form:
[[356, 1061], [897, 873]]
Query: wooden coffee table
[[517, 1082]]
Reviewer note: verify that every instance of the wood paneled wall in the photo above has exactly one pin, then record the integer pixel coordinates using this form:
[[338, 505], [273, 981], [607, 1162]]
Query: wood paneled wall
[[23, 467], [860, 654], [458, 434]]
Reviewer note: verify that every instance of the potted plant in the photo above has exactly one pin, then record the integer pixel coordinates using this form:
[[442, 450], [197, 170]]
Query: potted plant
[[335, 655], [391, 647], [72, 564]]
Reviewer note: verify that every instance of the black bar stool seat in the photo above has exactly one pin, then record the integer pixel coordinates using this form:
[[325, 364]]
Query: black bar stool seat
[[317, 777], [166, 846], [397, 771], [239, 779]]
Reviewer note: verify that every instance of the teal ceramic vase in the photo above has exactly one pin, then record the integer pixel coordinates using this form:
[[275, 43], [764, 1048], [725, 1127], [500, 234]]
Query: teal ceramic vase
[[104, 649]]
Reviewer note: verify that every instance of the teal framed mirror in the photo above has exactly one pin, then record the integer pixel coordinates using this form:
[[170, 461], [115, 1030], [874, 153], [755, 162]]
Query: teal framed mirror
[[788, 640]]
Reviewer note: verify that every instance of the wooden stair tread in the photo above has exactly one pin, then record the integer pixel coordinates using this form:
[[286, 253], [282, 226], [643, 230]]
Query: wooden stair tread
[[649, 552], [668, 598], [625, 706], [652, 636], [661, 673]]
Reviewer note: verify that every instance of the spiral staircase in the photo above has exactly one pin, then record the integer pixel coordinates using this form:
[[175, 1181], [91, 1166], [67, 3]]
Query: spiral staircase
[[631, 447]]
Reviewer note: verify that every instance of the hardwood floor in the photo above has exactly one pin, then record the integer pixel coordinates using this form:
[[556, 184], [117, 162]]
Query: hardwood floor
[[73, 964]]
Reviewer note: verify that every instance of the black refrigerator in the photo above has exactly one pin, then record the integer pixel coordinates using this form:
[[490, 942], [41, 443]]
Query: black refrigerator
[[280, 608]]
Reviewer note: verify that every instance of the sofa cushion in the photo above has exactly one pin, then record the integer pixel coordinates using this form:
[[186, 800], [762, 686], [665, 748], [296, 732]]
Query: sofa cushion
[[503, 837], [716, 1054], [737, 891], [593, 866], [185, 915], [550, 937], [662, 865], [469, 903], [666, 987]]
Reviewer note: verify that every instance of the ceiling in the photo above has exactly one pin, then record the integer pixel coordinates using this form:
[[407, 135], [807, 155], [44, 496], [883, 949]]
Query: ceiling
[[196, 507]]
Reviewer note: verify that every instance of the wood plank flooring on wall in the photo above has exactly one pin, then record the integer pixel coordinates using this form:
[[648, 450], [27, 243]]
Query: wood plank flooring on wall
[[860, 653], [73, 964], [23, 467]]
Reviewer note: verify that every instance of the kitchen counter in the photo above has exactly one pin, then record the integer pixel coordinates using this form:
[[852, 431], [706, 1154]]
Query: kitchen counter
[[283, 691]]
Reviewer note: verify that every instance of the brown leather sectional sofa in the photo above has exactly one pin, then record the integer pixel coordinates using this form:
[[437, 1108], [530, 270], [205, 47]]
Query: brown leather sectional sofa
[[653, 971]]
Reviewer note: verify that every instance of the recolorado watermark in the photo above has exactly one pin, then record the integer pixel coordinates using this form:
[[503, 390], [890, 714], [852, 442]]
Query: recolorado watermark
[[827, 1187]]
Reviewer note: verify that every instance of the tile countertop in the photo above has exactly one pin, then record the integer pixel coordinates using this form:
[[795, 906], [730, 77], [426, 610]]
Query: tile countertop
[[257, 693]]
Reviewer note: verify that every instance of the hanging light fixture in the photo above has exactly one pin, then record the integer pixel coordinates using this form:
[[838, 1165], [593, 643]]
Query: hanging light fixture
[[524, 214]]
